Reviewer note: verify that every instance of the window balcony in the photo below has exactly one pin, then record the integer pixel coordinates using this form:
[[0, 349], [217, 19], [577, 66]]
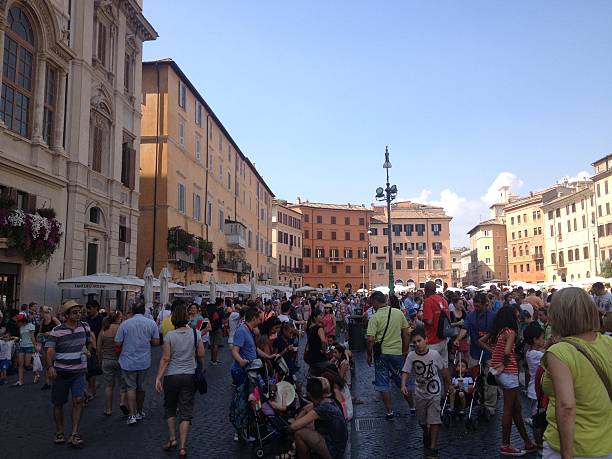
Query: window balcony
[[537, 256], [235, 234], [233, 261], [264, 277]]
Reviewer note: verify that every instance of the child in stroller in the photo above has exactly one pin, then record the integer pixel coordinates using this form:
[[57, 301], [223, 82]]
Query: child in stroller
[[273, 404], [463, 383]]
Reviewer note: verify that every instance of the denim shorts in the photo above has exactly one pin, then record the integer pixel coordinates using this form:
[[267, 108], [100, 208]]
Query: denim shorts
[[64, 383], [27, 350], [5, 364], [387, 366], [507, 380]]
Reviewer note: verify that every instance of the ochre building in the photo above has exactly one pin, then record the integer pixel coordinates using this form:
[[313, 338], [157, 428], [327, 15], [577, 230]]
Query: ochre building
[[200, 194]]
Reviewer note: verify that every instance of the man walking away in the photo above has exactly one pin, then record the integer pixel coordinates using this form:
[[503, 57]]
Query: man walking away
[[94, 320], [433, 307], [389, 330], [216, 314], [133, 343], [68, 347]]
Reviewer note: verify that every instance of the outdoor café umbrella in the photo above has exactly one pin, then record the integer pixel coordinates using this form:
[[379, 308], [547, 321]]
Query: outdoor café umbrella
[[253, 286], [148, 288], [305, 288], [99, 281], [212, 288], [164, 292]]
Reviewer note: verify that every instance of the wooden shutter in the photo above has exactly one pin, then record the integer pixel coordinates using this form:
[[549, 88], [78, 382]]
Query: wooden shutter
[[132, 169]]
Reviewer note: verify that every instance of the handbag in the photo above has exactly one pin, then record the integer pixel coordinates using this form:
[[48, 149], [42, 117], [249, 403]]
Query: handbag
[[93, 364], [445, 329], [199, 376], [36, 363], [377, 347], [602, 374]]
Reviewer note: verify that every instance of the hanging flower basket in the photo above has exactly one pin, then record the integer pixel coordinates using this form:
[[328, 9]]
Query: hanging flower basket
[[29, 235]]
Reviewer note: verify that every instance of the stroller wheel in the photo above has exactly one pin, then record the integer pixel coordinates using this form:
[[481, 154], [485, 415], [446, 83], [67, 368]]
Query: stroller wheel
[[468, 423], [259, 452], [447, 419]]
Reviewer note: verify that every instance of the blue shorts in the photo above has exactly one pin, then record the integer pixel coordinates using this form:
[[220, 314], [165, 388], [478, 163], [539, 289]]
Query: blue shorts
[[5, 364], [64, 383], [386, 367]]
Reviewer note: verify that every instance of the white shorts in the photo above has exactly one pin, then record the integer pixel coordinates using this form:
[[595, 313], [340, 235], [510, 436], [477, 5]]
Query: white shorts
[[550, 453], [507, 380]]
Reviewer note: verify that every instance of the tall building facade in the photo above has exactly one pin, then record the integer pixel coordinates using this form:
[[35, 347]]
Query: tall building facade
[[571, 235], [456, 271], [286, 245], [602, 182], [421, 244], [487, 253], [204, 207], [335, 245], [69, 135]]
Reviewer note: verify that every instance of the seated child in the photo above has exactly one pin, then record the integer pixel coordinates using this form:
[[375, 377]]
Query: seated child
[[7, 346], [464, 386]]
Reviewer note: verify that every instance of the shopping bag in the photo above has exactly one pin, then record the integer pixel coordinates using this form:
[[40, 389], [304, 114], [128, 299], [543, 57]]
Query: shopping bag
[[37, 363]]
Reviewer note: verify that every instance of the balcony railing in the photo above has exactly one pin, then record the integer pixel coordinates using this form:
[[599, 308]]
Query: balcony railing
[[235, 234], [288, 269], [264, 276], [537, 256], [234, 266]]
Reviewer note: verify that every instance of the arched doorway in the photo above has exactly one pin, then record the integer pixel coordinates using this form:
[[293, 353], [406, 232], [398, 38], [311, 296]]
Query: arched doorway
[[399, 282], [348, 288]]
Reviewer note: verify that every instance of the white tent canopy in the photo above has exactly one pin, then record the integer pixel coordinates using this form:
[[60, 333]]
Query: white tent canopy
[[305, 288], [591, 280], [382, 288], [101, 281]]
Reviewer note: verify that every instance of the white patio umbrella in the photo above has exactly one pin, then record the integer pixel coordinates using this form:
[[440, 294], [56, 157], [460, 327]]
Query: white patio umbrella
[[362, 290], [212, 288], [382, 289], [164, 292], [148, 288], [253, 286], [305, 288], [197, 288]]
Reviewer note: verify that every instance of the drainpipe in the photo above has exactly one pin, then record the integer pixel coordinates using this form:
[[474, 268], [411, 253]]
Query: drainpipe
[[206, 178]]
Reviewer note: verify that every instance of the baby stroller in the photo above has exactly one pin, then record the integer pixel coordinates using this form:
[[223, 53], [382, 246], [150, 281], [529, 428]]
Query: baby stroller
[[272, 404], [476, 406]]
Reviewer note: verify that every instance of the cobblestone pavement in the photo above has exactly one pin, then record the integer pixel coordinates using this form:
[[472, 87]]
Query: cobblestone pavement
[[26, 425], [375, 437]]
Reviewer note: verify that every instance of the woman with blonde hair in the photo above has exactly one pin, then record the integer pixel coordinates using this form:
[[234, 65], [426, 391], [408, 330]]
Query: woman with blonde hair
[[111, 371], [578, 371]]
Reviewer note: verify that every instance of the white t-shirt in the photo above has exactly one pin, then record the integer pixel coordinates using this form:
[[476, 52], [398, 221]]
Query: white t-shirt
[[204, 325], [533, 362], [6, 349], [425, 369], [467, 382]]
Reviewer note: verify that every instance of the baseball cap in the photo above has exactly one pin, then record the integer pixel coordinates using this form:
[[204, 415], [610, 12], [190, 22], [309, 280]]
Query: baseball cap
[[69, 304]]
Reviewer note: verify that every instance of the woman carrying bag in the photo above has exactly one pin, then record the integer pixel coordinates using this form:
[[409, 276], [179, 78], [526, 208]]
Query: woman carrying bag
[[177, 370]]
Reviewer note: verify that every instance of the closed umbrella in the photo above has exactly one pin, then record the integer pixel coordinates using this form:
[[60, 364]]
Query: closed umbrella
[[164, 292], [212, 288], [148, 288], [253, 286]]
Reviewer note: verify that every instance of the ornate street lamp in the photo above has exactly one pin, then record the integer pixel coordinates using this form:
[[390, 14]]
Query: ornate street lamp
[[388, 194]]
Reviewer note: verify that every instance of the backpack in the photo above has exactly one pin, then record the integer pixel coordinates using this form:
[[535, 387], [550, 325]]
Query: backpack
[[445, 330]]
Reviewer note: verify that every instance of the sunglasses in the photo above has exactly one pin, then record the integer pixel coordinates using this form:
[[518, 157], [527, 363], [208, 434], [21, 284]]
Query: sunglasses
[[74, 311]]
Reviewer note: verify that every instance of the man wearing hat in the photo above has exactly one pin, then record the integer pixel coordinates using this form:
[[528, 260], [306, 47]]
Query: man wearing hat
[[68, 349]]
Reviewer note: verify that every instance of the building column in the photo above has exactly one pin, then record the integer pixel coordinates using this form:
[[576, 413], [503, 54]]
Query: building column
[[58, 128], [39, 99], [2, 27]]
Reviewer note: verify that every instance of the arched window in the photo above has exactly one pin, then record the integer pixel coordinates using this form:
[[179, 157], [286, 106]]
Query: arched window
[[18, 73], [94, 215]]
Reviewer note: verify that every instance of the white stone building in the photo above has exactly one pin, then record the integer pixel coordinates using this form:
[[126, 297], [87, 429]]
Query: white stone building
[[70, 111]]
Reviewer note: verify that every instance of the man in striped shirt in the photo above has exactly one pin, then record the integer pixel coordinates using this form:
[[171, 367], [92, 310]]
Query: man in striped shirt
[[68, 348]]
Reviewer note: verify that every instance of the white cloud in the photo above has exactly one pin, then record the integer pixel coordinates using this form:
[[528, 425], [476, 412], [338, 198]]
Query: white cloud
[[468, 212], [579, 177]]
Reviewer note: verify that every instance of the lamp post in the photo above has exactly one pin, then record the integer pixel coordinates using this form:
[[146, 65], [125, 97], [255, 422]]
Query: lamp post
[[595, 255], [388, 194]]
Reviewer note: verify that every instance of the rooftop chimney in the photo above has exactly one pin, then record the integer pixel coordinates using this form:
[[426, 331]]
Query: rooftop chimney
[[299, 201]]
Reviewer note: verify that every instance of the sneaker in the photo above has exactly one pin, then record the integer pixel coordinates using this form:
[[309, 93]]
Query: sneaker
[[511, 451], [131, 420], [236, 438], [390, 415], [412, 411], [45, 387], [140, 416], [528, 421]]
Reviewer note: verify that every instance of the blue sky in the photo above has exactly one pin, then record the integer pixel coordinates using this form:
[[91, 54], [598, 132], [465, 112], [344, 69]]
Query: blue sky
[[469, 95]]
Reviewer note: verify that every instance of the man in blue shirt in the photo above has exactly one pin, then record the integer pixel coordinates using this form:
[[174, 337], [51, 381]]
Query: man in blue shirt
[[133, 343], [476, 325]]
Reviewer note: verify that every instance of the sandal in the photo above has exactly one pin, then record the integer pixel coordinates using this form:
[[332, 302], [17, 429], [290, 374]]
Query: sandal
[[183, 452], [108, 413], [170, 444], [59, 438], [75, 440]]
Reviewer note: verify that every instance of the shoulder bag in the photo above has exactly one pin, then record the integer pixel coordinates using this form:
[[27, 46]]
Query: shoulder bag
[[377, 348], [600, 371], [199, 377]]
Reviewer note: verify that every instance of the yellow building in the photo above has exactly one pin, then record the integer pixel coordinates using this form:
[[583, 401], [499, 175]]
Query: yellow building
[[286, 245], [603, 202], [571, 235], [487, 253], [200, 195]]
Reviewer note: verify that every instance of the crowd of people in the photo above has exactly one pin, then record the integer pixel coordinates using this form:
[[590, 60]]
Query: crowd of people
[[439, 348]]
